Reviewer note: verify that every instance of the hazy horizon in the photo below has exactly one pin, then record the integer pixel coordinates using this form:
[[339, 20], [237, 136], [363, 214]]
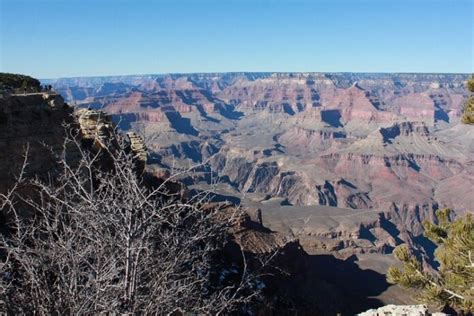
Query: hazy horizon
[[258, 72]]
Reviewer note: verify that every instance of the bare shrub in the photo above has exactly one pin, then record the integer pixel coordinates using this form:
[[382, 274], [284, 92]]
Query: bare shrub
[[99, 240]]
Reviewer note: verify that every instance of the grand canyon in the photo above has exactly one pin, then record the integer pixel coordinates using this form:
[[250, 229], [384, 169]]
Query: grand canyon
[[349, 164], [333, 171], [207, 157]]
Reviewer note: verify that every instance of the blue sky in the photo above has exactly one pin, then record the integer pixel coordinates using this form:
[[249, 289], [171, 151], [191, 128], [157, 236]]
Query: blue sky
[[58, 38]]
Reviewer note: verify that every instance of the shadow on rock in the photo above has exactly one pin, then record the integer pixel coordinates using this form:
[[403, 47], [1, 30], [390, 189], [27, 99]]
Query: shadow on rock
[[180, 124], [353, 286], [326, 285]]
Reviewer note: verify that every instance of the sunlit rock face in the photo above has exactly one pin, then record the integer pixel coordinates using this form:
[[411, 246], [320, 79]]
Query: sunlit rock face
[[390, 144], [394, 310], [35, 125]]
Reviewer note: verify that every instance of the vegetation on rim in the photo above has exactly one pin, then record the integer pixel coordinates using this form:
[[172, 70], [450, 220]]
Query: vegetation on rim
[[468, 112], [452, 284]]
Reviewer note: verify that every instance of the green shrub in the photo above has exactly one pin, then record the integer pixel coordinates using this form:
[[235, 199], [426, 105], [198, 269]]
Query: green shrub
[[468, 112], [453, 283]]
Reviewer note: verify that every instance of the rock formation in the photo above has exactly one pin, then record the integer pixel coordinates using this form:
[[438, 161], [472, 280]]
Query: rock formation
[[31, 124], [395, 310]]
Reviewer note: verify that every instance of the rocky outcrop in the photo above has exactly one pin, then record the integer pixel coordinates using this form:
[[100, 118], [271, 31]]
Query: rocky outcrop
[[404, 129], [399, 310], [98, 131], [96, 128], [31, 125], [137, 145], [305, 139]]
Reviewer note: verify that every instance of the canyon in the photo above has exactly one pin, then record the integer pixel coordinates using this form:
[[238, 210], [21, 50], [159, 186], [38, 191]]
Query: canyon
[[40, 128], [350, 164]]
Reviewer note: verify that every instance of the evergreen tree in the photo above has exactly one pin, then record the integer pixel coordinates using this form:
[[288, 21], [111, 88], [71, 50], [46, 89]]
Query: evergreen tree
[[468, 113], [453, 283]]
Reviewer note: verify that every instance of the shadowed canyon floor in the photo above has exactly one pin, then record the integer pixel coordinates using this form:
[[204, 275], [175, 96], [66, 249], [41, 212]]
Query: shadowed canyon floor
[[350, 164]]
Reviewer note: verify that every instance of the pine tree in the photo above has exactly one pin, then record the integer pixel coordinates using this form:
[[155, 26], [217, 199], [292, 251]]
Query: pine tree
[[453, 283], [468, 113]]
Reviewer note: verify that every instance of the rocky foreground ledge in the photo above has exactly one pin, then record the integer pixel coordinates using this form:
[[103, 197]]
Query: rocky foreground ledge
[[401, 310]]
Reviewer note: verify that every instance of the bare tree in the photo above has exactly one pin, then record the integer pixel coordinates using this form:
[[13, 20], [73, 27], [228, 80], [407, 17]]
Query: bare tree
[[99, 240]]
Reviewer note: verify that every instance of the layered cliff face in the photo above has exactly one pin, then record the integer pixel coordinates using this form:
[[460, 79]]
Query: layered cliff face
[[386, 143], [34, 126], [31, 124]]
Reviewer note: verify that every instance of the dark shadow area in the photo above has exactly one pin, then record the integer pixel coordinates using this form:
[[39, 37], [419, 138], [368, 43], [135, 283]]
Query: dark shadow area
[[287, 109], [326, 194], [186, 96], [209, 96], [267, 152], [346, 183], [332, 117], [124, 121], [375, 102], [315, 98], [354, 285], [412, 164], [340, 135], [365, 233], [215, 197], [3, 118], [77, 93], [390, 133], [175, 152], [277, 149], [398, 84], [429, 248], [331, 285], [390, 228], [204, 114], [156, 160], [441, 115], [300, 107], [180, 124], [451, 311], [228, 111], [191, 151], [328, 186], [278, 146], [188, 99]]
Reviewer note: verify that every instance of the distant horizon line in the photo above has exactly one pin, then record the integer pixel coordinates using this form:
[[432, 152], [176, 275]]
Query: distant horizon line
[[259, 72]]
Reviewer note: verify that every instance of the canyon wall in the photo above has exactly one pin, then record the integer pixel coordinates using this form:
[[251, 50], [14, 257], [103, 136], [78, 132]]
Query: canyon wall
[[391, 144]]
